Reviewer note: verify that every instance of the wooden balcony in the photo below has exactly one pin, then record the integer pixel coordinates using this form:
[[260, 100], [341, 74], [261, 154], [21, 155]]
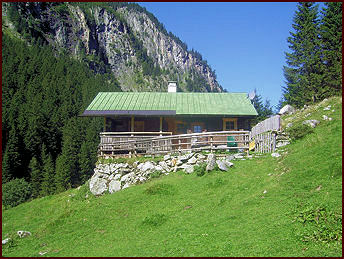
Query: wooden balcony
[[116, 143]]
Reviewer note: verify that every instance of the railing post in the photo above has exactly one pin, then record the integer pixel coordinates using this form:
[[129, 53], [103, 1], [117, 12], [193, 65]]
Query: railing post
[[211, 144]]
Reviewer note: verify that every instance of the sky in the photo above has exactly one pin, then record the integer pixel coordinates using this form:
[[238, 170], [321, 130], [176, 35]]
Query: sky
[[244, 42]]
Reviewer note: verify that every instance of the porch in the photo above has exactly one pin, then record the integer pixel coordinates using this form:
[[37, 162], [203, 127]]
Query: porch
[[155, 143]]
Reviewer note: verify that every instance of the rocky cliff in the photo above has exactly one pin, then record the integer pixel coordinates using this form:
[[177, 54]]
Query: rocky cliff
[[118, 37]]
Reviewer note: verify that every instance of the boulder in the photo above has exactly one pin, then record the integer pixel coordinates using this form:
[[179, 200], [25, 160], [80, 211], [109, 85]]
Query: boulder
[[158, 168], [192, 160], [22, 233], [127, 177], [164, 165], [327, 108], [98, 185], [275, 155], [312, 123], [227, 163], [167, 157], [126, 185], [229, 158], [211, 161], [114, 186], [117, 176], [189, 169], [5, 241], [222, 166], [287, 109], [146, 166], [185, 157], [201, 157]]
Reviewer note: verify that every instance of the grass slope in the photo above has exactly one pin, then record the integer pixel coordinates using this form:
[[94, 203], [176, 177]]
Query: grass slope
[[286, 206]]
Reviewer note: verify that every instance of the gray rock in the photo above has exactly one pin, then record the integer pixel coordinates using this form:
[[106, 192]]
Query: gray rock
[[5, 241], [22, 233], [98, 185], [327, 108], [167, 157], [287, 109], [289, 125], [142, 179], [201, 157], [192, 160], [147, 166], [126, 185], [158, 168], [179, 162], [164, 165], [185, 157], [127, 177], [311, 123], [124, 171], [117, 176], [189, 169], [307, 115], [227, 163], [282, 144], [222, 166], [229, 158], [114, 186], [325, 117], [211, 161], [275, 155], [238, 156]]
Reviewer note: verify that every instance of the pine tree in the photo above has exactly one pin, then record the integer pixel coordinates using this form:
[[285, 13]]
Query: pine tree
[[48, 184], [35, 177], [303, 74], [12, 160], [331, 40], [62, 174], [263, 110]]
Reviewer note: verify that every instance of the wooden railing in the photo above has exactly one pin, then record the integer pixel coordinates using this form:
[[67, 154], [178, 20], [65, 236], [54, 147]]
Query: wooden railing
[[133, 143], [270, 124]]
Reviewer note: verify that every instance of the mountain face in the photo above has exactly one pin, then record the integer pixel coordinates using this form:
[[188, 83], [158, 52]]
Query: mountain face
[[118, 37]]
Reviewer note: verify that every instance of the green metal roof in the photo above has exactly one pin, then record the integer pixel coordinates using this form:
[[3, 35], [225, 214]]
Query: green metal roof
[[153, 103]]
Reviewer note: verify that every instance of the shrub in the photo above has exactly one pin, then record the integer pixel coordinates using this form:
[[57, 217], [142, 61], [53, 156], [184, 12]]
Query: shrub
[[15, 192], [299, 131], [200, 169]]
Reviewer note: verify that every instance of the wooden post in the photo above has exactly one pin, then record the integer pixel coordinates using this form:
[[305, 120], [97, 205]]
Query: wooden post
[[132, 124], [160, 125]]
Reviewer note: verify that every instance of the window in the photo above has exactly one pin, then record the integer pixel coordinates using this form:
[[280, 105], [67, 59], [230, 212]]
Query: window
[[230, 124], [197, 128]]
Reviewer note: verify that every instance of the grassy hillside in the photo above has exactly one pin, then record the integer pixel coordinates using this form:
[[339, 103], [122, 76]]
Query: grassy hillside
[[285, 206]]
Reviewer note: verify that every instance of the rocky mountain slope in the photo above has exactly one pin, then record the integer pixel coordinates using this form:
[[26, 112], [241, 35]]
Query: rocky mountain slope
[[118, 37]]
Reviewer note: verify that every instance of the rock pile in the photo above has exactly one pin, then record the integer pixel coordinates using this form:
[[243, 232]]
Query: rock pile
[[113, 177]]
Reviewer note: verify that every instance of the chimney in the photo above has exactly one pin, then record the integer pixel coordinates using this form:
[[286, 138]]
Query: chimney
[[172, 87]]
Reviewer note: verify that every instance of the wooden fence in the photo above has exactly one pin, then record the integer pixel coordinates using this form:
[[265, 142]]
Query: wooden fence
[[264, 134], [112, 144], [270, 124]]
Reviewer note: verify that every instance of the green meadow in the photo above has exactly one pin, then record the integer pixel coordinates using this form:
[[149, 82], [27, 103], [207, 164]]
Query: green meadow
[[265, 206]]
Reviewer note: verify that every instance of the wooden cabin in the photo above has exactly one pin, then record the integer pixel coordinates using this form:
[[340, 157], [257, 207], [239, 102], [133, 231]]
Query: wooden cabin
[[130, 116], [172, 112]]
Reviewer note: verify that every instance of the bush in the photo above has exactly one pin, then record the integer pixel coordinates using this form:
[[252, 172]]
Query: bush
[[200, 169], [299, 131], [15, 192]]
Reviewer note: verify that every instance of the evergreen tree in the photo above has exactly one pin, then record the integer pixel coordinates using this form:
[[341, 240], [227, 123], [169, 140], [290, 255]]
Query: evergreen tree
[[62, 174], [303, 74], [12, 160], [263, 110], [35, 177], [48, 185], [331, 40]]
